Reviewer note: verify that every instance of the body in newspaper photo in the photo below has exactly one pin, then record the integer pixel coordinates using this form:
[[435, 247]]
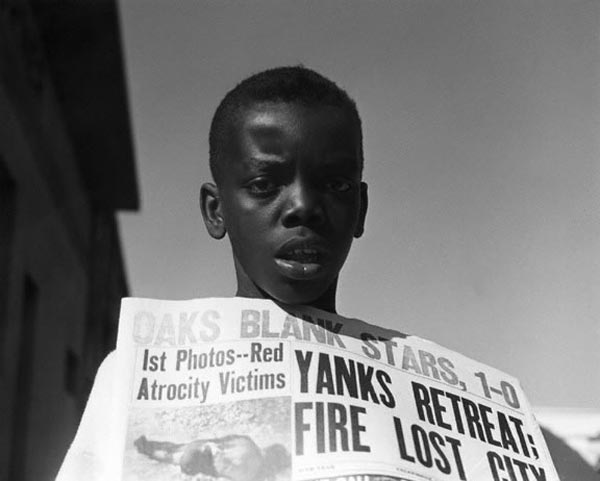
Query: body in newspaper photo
[[240, 441]]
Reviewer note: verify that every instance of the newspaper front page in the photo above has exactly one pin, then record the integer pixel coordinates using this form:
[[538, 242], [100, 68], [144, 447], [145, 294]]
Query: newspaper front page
[[246, 390]]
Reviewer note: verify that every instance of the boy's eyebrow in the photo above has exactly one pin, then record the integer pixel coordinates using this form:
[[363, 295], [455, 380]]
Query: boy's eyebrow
[[341, 161], [266, 162]]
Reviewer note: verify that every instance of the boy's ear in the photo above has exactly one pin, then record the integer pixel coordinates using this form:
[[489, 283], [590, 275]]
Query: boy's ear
[[210, 205], [364, 203]]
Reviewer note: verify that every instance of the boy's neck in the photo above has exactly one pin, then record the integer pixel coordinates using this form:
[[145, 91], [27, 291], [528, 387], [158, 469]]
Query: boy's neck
[[325, 302], [247, 288]]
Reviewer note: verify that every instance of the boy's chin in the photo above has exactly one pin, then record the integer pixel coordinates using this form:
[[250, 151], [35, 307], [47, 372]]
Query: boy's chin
[[315, 292]]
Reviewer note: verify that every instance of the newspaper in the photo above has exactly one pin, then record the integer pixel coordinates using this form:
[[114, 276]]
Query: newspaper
[[246, 390]]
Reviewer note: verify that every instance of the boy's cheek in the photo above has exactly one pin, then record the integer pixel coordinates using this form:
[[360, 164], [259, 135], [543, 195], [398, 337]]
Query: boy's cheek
[[247, 203]]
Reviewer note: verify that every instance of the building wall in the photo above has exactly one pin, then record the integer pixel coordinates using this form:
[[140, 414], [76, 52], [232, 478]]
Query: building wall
[[42, 254], [61, 272]]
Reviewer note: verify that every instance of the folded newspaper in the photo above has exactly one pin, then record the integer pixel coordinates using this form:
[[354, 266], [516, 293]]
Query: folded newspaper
[[246, 390]]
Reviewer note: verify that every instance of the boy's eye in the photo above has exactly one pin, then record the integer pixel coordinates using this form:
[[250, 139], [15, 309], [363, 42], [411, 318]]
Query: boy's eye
[[261, 186], [339, 185]]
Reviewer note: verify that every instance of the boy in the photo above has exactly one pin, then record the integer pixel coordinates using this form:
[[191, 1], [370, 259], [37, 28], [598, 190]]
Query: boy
[[286, 157]]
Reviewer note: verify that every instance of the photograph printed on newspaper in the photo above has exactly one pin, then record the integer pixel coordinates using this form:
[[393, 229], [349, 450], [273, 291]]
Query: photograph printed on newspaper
[[247, 390]]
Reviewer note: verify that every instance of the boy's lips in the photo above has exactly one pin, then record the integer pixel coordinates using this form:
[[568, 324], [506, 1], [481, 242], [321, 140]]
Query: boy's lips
[[301, 258]]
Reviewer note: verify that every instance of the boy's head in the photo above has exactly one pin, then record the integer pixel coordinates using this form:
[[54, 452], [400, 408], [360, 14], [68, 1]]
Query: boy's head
[[286, 156]]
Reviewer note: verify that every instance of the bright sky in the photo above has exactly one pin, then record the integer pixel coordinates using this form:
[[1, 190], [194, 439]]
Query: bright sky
[[481, 123]]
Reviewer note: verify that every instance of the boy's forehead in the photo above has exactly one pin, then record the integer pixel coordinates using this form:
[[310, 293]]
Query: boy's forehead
[[267, 120], [275, 128]]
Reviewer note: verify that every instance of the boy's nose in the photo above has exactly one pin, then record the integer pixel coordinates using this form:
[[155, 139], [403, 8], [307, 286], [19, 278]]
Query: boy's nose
[[303, 207]]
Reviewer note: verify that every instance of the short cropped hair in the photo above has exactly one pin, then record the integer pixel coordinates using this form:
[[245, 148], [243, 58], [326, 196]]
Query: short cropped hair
[[294, 84]]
